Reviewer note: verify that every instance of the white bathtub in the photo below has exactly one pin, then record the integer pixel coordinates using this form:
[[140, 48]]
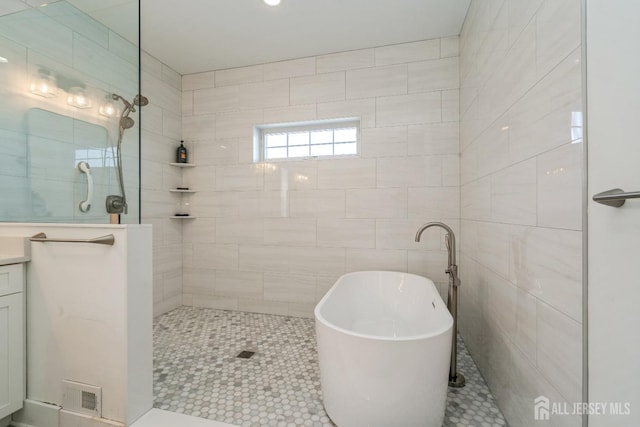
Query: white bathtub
[[384, 345]]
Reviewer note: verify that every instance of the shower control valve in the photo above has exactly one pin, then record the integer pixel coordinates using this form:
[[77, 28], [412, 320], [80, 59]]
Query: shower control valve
[[116, 204]]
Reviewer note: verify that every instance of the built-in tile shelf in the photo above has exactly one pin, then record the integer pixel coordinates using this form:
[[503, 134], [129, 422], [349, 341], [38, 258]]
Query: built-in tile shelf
[[182, 217], [183, 165], [177, 190]]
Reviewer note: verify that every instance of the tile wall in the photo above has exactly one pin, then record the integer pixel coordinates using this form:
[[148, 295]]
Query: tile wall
[[521, 201], [273, 237], [161, 133]]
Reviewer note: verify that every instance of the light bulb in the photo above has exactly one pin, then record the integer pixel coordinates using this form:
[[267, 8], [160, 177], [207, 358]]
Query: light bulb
[[78, 98], [108, 108], [272, 2], [43, 85]]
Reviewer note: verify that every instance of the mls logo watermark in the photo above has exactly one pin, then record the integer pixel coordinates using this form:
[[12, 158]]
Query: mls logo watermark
[[541, 408]]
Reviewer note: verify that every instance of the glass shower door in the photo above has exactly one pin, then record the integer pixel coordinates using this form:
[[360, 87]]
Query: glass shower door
[[60, 66]]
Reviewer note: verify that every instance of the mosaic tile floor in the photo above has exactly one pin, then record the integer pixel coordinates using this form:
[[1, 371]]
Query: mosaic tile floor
[[196, 372]]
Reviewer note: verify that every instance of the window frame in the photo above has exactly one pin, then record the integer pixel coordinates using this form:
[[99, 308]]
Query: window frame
[[261, 131]]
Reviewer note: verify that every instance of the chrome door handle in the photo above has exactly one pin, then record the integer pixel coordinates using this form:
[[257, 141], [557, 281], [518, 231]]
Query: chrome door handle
[[615, 197], [85, 205]]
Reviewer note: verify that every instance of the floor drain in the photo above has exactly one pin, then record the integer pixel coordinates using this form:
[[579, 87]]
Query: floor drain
[[244, 354]]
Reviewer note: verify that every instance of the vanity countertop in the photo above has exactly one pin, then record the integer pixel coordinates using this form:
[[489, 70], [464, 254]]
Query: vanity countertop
[[14, 250]]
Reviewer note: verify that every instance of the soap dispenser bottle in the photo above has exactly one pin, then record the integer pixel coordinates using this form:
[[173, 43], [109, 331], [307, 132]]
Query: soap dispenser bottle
[[181, 153]]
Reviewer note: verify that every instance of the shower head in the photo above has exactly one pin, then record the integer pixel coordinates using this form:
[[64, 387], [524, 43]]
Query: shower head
[[126, 122], [140, 100]]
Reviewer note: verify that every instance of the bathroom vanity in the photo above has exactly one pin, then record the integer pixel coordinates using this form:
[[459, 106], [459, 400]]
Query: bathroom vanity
[[88, 293], [14, 253]]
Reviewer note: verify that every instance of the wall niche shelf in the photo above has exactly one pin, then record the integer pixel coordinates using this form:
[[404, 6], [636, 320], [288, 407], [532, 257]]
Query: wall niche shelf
[[182, 217], [177, 190], [183, 165]]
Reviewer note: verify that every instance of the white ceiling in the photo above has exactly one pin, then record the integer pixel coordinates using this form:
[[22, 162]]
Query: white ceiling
[[201, 35]]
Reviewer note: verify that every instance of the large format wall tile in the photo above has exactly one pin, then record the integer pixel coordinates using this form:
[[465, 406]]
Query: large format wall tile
[[547, 263], [291, 228], [407, 52], [237, 76], [318, 88], [162, 129], [292, 68], [409, 109], [521, 201], [380, 81], [560, 175], [342, 61], [560, 340], [438, 74]]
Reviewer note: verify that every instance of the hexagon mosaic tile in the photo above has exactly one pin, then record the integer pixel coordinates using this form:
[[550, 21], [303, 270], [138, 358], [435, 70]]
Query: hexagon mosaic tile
[[197, 372]]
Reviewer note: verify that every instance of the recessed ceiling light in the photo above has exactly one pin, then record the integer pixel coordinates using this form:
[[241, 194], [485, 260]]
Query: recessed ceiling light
[[3, 60], [272, 2]]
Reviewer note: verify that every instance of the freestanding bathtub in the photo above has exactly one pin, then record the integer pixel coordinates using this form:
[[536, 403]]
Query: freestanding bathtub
[[384, 346]]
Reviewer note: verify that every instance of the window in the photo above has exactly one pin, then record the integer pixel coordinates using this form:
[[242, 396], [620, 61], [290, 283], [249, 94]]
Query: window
[[307, 140], [96, 157]]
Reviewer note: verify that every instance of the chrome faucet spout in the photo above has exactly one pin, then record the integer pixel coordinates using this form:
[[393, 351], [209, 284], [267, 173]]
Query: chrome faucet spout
[[450, 239]]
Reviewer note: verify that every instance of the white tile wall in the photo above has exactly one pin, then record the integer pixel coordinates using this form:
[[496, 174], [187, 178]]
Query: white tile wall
[[366, 203], [521, 199], [365, 109], [162, 130], [317, 203], [273, 237], [434, 138], [437, 74], [383, 142], [292, 68], [377, 81], [237, 76], [346, 233], [342, 61], [407, 52], [317, 88], [409, 109], [347, 173]]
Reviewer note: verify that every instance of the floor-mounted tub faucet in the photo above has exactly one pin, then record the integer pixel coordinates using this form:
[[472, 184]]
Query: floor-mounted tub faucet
[[455, 379]]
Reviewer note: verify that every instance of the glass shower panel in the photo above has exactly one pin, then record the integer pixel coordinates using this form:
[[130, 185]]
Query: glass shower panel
[[60, 65]]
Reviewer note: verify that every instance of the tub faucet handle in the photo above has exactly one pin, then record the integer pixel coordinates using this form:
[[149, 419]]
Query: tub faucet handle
[[452, 271]]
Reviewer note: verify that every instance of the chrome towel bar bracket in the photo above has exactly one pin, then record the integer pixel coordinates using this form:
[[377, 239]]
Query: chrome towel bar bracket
[[615, 197], [109, 239]]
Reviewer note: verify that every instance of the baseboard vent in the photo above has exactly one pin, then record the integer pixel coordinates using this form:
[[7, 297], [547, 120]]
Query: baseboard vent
[[82, 398]]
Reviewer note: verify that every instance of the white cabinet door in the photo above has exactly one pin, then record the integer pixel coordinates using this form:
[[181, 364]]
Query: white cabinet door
[[12, 357]]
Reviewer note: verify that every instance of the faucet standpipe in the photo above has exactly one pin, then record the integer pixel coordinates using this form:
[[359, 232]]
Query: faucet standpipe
[[455, 379]]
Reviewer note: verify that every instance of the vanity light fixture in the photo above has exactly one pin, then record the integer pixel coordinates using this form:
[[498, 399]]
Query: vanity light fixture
[[108, 108], [78, 98], [272, 2], [44, 84]]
